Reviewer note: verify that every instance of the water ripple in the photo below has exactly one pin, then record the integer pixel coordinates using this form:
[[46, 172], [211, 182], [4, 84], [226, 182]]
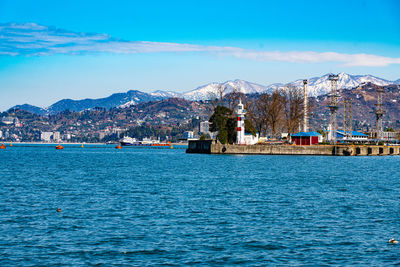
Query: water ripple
[[164, 207]]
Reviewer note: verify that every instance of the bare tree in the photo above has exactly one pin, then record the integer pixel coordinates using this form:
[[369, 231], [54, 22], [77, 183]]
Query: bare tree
[[221, 91], [293, 106], [217, 98], [255, 114], [232, 98], [275, 112]]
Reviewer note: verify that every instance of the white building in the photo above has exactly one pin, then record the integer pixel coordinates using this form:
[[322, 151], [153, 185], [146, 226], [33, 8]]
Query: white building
[[46, 136], [56, 136], [188, 135], [205, 127], [250, 139], [355, 136], [67, 136]]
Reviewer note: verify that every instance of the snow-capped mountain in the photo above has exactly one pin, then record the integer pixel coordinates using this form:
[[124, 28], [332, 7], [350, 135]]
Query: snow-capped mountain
[[322, 85], [212, 90], [128, 104], [316, 86], [165, 94]]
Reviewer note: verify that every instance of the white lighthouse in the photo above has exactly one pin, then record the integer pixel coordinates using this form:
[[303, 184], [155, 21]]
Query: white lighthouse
[[240, 111]]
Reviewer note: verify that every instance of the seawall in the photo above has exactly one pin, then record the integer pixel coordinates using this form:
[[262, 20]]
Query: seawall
[[212, 147]]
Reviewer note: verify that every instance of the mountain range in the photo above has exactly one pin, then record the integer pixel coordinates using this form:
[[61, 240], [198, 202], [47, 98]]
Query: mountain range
[[317, 86]]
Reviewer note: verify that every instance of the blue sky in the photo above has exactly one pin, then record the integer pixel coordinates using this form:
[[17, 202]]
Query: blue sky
[[51, 50]]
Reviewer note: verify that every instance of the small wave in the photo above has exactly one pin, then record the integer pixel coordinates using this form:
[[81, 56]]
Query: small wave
[[146, 252], [260, 245]]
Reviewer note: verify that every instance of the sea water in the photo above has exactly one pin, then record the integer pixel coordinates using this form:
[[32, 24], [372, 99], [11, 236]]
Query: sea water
[[160, 206]]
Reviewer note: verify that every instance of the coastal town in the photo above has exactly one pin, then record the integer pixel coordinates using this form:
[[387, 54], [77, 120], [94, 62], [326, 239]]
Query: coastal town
[[199, 133], [180, 120]]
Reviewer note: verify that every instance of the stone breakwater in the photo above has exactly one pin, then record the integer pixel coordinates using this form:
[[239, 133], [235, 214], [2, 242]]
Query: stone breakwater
[[212, 147]]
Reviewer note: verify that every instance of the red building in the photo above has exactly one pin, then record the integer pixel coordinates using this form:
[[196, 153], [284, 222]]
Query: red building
[[306, 138]]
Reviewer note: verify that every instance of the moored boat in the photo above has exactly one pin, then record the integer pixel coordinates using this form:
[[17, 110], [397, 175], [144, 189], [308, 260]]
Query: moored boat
[[130, 141]]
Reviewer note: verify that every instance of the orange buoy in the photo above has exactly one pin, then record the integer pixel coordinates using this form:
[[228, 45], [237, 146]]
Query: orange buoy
[[59, 147], [2, 146], [118, 147]]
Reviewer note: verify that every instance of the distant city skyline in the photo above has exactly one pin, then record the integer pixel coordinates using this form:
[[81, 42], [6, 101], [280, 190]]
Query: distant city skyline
[[53, 50]]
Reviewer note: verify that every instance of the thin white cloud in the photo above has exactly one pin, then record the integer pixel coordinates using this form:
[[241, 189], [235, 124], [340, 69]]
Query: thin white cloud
[[31, 39], [317, 57]]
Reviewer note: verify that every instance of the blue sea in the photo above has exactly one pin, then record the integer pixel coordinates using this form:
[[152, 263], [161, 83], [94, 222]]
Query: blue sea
[[160, 206]]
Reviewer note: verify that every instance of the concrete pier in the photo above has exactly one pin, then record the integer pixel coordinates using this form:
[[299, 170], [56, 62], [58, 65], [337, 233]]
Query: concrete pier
[[212, 147]]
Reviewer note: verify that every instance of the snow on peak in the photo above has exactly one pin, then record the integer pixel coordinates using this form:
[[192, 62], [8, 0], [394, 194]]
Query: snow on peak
[[213, 90], [165, 94], [127, 104], [322, 85]]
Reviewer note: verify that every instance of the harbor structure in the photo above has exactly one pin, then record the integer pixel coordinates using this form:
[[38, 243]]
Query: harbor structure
[[309, 143], [348, 119], [379, 113], [305, 106], [333, 107], [240, 133], [213, 147]]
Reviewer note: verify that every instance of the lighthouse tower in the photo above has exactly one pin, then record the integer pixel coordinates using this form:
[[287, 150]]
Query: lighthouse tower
[[240, 111]]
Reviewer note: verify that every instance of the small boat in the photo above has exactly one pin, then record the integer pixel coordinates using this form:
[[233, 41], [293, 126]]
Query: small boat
[[59, 147], [2, 146]]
